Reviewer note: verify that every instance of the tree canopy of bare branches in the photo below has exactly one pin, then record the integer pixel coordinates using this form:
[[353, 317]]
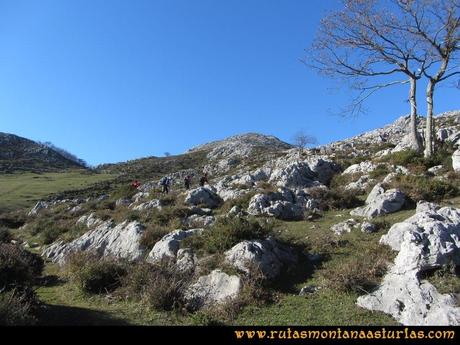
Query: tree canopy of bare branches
[[367, 44], [436, 24]]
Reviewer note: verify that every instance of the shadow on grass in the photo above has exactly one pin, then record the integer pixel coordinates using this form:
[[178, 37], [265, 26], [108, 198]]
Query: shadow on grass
[[50, 280], [59, 315], [297, 274]]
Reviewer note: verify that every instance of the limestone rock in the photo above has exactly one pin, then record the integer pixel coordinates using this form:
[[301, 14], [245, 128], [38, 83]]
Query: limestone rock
[[214, 288], [168, 246], [203, 196], [345, 226], [380, 202], [40, 205], [368, 228], [363, 168], [427, 240], [456, 161], [268, 255], [122, 241]]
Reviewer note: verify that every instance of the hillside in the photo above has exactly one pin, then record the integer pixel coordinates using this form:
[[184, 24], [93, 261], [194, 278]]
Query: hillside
[[21, 154], [332, 235]]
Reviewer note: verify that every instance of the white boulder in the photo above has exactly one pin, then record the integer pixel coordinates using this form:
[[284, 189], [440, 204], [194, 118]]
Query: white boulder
[[267, 255], [456, 161], [206, 196], [121, 241], [168, 246], [215, 288], [380, 202], [345, 226]]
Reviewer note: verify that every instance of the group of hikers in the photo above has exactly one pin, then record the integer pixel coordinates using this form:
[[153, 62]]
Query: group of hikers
[[167, 181]]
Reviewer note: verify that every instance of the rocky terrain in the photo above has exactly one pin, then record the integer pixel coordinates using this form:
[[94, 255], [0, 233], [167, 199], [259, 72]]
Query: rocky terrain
[[21, 154], [218, 248]]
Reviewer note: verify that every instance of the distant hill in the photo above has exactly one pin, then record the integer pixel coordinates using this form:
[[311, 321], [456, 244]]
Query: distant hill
[[250, 146], [21, 154]]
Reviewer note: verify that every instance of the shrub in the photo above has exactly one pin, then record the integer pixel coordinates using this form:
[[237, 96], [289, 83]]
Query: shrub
[[360, 272], [17, 307], [167, 215], [124, 191], [152, 235], [51, 234], [5, 235], [335, 198], [424, 188], [380, 171], [48, 229], [226, 232], [18, 267], [242, 202], [93, 274], [404, 158], [161, 286]]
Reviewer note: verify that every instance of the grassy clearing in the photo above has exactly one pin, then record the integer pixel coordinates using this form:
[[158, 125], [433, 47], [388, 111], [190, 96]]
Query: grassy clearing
[[24, 189]]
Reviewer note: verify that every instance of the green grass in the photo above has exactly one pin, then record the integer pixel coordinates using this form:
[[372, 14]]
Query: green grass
[[22, 190], [326, 306], [67, 305]]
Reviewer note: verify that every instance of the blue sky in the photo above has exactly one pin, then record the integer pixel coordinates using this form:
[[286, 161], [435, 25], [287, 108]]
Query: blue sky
[[117, 80]]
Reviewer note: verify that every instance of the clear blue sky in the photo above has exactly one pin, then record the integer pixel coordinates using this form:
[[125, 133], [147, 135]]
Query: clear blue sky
[[117, 80]]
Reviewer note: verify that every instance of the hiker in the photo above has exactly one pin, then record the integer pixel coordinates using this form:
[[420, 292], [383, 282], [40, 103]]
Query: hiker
[[165, 182], [136, 184], [204, 179], [187, 181]]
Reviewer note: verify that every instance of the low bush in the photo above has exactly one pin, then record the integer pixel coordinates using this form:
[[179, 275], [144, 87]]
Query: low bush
[[227, 232], [169, 214], [5, 235], [18, 307], [48, 229], [93, 274], [335, 198], [417, 163], [425, 188], [18, 267], [360, 272], [404, 158], [161, 286], [242, 202], [124, 191], [380, 171], [152, 234]]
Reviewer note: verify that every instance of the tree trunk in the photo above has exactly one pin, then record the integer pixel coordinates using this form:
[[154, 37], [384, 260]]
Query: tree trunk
[[416, 141], [429, 127]]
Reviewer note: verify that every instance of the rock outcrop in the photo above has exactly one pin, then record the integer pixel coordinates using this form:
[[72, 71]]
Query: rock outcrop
[[345, 226], [168, 246], [425, 241], [203, 196], [456, 161], [268, 256], [380, 202], [107, 239], [215, 288]]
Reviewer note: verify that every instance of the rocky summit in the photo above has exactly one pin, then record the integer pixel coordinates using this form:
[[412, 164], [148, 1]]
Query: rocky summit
[[365, 224]]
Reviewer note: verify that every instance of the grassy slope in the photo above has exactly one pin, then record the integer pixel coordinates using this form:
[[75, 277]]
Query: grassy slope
[[24, 189], [325, 307]]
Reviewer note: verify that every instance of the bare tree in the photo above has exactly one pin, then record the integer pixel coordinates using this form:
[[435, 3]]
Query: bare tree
[[167, 154], [301, 140], [437, 24], [366, 41]]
